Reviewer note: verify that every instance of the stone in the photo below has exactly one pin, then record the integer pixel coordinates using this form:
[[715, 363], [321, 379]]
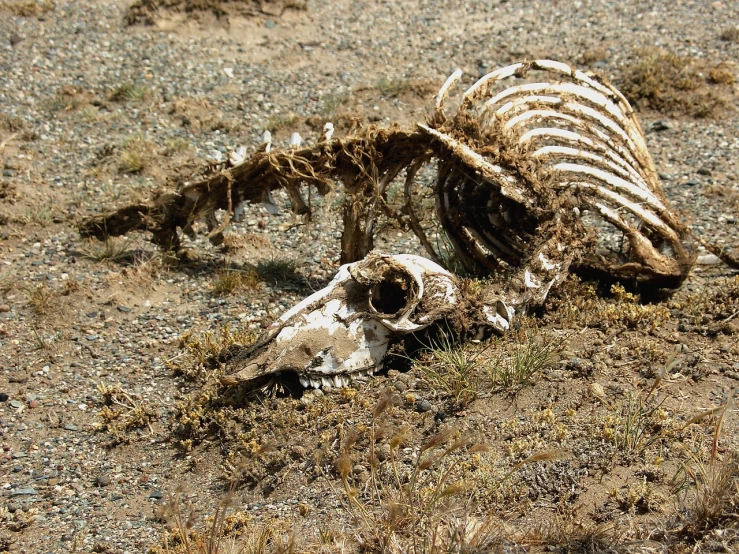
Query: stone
[[23, 492], [423, 406]]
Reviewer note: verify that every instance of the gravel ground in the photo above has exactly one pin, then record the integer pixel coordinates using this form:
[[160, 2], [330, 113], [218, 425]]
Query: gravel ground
[[84, 99]]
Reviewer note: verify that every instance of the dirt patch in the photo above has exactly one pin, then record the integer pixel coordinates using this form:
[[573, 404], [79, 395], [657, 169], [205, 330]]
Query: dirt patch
[[147, 12]]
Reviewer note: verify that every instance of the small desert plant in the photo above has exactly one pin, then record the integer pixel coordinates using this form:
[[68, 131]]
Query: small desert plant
[[42, 299], [636, 423], [228, 281], [729, 34], [455, 369], [28, 8], [722, 74], [277, 270], [122, 412], [332, 102], [566, 536], [419, 505], [708, 487], [281, 121], [130, 92], [394, 87], [529, 357], [39, 215], [10, 123], [111, 249], [8, 282], [202, 352], [136, 155], [225, 533], [667, 83]]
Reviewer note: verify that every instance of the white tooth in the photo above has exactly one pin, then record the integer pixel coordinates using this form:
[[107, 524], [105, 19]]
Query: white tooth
[[304, 381], [338, 381], [315, 383], [326, 382]]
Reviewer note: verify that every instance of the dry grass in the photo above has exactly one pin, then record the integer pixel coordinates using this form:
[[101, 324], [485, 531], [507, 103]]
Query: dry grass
[[421, 505], [230, 281], [201, 353], [123, 412], [10, 123], [454, 369], [70, 98], [668, 83], [130, 92], [332, 102], [722, 74], [275, 271], [730, 34], [136, 155], [42, 300], [28, 8], [530, 356], [41, 215], [281, 121], [112, 249], [592, 56], [397, 86]]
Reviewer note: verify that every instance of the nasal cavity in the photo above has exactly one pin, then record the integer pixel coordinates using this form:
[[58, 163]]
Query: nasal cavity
[[390, 296]]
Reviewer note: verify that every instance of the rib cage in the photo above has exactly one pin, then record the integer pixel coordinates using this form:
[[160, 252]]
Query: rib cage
[[566, 136], [549, 173]]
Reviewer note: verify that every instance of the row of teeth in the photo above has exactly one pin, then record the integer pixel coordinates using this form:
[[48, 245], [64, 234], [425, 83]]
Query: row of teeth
[[337, 381]]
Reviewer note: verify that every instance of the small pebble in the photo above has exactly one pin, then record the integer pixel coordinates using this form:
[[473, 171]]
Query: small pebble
[[23, 492], [423, 406]]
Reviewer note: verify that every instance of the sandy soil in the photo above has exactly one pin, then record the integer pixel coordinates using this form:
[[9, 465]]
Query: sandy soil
[[109, 409]]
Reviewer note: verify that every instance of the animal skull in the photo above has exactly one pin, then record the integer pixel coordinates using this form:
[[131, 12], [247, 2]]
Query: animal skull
[[344, 331]]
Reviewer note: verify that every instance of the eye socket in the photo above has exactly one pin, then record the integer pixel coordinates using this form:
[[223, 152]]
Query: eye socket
[[391, 295]]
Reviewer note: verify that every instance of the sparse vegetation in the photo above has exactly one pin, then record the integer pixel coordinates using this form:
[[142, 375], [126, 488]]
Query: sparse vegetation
[[130, 92], [455, 369], [396, 86], [332, 102], [722, 74], [111, 249], [10, 123], [593, 55], [668, 83], [123, 412], [203, 352], [730, 34], [70, 98], [28, 8], [530, 356], [418, 505], [42, 299], [136, 155], [229, 281], [281, 121], [38, 215], [277, 270]]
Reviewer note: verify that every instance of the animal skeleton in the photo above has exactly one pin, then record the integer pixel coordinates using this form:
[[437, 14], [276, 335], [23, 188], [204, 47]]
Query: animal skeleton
[[534, 180]]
